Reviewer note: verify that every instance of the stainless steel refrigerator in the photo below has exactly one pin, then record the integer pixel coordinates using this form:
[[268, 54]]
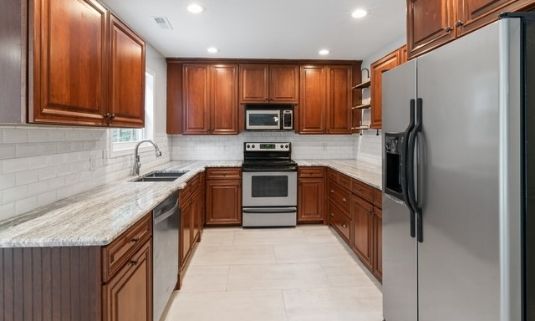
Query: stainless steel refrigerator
[[459, 130]]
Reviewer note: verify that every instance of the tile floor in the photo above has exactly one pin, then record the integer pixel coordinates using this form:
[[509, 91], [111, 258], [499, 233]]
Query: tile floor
[[300, 274]]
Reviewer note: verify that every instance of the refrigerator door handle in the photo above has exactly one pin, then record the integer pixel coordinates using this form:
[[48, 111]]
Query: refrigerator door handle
[[411, 186], [404, 168]]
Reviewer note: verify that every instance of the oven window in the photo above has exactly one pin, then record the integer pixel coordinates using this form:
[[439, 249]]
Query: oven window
[[270, 186], [263, 120]]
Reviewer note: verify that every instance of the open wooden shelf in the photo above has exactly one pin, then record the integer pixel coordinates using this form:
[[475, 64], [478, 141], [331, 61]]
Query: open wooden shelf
[[363, 106], [363, 85]]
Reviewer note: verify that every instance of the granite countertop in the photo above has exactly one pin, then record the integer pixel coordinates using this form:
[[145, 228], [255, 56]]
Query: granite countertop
[[366, 172], [100, 215]]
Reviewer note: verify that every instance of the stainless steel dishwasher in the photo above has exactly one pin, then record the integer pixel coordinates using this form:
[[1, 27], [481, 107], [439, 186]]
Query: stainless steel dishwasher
[[166, 218]]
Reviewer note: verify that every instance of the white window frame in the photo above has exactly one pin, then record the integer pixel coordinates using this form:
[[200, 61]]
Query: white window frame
[[117, 149]]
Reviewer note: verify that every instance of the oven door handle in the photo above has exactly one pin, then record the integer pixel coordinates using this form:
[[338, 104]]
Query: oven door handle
[[270, 210]]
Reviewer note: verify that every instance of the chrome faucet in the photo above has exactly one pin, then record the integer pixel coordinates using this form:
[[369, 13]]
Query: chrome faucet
[[137, 160]]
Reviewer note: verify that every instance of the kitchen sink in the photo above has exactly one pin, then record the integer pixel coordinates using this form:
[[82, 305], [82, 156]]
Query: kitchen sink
[[160, 176]]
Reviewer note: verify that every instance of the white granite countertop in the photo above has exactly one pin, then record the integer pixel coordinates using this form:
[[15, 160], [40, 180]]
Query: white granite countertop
[[98, 216], [366, 172]]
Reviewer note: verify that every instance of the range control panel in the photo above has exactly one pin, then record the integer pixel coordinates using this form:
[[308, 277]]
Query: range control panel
[[267, 147]]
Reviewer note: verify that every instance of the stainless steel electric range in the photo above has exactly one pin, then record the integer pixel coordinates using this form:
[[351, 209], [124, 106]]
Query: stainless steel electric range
[[269, 185]]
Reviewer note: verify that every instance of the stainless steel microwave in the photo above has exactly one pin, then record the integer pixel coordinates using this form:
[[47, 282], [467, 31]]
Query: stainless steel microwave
[[280, 118]]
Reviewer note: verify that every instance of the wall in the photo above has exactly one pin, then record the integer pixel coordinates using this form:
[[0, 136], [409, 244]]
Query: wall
[[39, 165], [231, 147]]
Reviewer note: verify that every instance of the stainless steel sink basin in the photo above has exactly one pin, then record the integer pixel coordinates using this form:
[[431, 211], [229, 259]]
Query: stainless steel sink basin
[[160, 176]]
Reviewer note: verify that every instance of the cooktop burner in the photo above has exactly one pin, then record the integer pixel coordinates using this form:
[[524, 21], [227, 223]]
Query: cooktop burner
[[268, 157]]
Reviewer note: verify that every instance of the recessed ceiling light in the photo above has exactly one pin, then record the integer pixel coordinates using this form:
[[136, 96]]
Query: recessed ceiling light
[[359, 13], [213, 50], [324, 52], [195, 8]]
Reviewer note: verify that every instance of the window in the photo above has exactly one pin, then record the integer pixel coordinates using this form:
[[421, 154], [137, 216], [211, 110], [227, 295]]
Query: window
[[125, 139]]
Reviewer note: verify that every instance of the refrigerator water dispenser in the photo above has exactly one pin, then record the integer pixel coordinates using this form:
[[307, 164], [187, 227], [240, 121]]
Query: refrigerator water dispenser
[[394, 154]]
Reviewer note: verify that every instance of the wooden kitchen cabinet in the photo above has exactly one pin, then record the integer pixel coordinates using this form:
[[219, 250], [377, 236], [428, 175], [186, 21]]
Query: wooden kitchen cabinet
[[311, 195], [262, 83], [127, 80], [223, 197], [72, 93], [98, 84], [430, 23], [384, 64], [313, 100], [128, 295], [224, 99], [378, 243], [196, 116], [363, 220], [339, 100]]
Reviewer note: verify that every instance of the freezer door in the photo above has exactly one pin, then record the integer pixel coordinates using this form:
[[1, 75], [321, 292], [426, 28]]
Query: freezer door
[[458, 181], [399, 248]]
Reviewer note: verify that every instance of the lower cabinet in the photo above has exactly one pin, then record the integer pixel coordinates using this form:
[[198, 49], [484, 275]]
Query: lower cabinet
[[191, 210], [311, 195], [359, 223], [223, 196], [362, 213], [128, 295]]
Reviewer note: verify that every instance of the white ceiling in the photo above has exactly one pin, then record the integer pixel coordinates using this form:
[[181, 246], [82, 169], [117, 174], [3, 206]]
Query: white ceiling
[[279, 29]]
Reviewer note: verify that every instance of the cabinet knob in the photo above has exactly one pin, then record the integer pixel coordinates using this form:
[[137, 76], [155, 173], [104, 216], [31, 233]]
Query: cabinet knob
[[332, 191], [133, 262], [134, 240], [332, 215], [344, 225], [112, 116], [459, 23], [344, 200], [448, 29]]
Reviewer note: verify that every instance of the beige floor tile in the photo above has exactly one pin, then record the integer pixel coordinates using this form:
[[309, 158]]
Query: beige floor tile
[[228, 306], [269, 236], [234, 254], [207, 278], [298, 253], [334, 304], [276, 276], [213, 236]]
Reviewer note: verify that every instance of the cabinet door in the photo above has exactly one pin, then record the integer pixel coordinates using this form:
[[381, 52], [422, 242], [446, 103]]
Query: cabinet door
[[223, 202], [69, 81], [196, 97], [473, 14], [196, 217], [362, 213], [377, 70], [339, 95], [128, 295], [254, 83], [224, 99], [127, 77], [378, 243], [186, 215], [313, 100], [284, 84], [430, 23], [311, 200]]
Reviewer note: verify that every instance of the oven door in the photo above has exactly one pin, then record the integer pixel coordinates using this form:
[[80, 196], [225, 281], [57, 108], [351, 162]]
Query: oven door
[[269, 189], [263, 120]]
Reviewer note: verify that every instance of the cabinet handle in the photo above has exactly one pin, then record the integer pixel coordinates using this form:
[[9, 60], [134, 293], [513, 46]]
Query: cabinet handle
[[112, 116], [133, 262], [344, 225], [459, 23], [332, 191], [332, 215], [134, 240], [343, 199], [448, 29]]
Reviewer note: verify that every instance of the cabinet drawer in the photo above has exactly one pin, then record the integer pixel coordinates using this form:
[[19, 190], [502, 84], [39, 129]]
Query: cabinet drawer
[[339, 196], [223, 173], [332, 175], [311, 172], [344, 181], [116, 254], [340, 221], [362, 190]]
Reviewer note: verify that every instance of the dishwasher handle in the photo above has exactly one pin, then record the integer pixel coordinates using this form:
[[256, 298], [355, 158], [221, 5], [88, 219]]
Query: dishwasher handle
[[164, 210]]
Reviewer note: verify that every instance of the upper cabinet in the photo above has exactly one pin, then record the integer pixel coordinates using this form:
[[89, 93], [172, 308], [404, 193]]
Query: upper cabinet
[[384, 64], [91, 77], [432, 23], [202, 99], [325, 99], [263, 83], [69, 81], [127, 81]]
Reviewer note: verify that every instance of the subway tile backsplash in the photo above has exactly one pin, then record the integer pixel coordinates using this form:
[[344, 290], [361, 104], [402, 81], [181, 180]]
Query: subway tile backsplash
[[39, 165], [185, 147]]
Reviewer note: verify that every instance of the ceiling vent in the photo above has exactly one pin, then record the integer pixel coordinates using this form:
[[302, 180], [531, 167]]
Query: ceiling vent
[[163, 22]]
